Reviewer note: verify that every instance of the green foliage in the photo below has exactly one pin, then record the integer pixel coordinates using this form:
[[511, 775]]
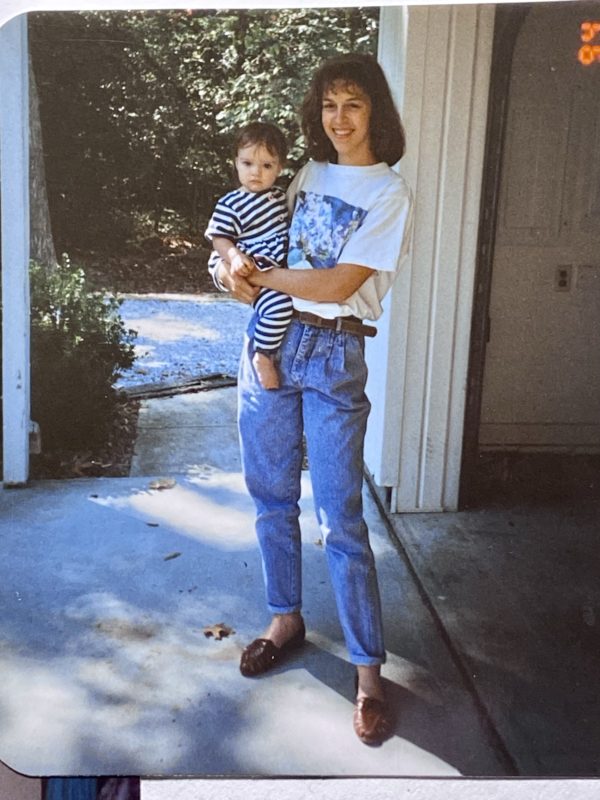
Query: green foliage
[[138, 108], [78, 346]]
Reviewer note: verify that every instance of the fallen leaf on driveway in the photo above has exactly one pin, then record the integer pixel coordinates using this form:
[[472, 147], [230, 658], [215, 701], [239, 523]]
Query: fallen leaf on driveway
[[163, 483], [219, 631]]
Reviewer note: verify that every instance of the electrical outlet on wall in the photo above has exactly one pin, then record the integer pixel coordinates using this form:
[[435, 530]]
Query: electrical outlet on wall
[[563, 275]]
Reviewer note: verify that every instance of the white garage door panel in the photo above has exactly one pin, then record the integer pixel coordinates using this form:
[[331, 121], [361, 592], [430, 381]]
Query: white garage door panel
[[542, 373]]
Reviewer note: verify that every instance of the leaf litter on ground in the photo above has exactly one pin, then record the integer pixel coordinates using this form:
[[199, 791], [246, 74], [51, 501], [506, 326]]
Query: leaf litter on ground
[[218, 631]]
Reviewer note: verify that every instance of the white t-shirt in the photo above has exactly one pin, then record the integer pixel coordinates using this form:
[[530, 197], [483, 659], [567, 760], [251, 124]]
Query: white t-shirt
[[354, 215]]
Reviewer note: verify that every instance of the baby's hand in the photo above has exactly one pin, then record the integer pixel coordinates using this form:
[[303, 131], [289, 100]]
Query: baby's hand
[[242, 264]]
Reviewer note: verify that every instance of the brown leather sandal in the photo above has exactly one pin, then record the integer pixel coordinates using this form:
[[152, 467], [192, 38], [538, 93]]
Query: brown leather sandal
[[262, 655], [372, 721]]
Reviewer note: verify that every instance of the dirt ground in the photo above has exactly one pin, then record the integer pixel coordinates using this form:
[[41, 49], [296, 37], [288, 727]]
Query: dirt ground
[[169, 264], [111, 459]]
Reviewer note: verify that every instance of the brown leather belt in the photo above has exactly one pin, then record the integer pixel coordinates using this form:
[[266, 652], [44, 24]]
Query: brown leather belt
[[346, 324]]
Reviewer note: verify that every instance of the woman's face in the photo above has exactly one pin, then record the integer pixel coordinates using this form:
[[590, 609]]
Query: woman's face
[[346, 116]]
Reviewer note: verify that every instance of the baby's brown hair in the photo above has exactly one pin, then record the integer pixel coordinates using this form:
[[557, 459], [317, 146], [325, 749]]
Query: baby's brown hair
[[264, 133]]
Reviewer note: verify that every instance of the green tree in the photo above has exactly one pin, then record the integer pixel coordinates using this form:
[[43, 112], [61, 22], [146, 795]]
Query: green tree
[[138, 109]]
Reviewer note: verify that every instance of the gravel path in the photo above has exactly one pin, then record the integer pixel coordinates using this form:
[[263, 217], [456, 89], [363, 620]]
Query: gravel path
[[183, 336]]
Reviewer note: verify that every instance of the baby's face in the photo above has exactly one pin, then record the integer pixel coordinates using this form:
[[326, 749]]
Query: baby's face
[[257, 167]]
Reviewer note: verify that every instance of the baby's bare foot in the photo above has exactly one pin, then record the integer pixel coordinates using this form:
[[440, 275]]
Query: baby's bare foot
[[266, 371]]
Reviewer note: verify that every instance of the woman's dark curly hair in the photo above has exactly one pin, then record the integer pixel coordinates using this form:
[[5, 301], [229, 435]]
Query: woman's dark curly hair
[[354, 69]]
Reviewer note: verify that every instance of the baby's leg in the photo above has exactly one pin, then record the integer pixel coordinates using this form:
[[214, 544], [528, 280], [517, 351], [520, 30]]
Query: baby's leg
[[274, 312]]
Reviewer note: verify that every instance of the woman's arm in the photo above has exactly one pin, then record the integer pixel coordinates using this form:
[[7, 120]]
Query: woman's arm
[[333, 285]]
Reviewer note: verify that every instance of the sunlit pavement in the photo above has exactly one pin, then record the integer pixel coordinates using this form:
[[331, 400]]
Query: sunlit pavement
[[107, 585]]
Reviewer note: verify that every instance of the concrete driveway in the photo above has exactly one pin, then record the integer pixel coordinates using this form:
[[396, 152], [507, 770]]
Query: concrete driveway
[[107, 586]]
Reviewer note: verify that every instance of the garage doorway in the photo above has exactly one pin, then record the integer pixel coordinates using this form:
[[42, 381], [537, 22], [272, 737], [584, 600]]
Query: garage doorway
[[533, 412]]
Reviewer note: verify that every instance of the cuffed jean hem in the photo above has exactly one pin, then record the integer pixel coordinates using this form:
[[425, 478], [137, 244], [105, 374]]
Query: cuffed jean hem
[[283, 609], [365, 661]]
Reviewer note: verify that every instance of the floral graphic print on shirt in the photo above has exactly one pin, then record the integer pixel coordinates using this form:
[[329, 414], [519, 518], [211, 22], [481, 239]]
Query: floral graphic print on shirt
[[321, 226]]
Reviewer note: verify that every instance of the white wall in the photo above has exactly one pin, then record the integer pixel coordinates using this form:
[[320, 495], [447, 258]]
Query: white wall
[[14, 169], [419, 405], [385, 351]]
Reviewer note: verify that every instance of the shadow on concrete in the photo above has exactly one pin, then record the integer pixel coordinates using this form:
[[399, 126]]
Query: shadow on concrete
[[106, 669]]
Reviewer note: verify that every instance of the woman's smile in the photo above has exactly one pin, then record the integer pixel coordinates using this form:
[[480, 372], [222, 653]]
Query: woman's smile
[[346, 116]]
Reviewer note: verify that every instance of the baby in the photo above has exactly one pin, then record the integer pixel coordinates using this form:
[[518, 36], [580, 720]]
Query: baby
[[249, 230]]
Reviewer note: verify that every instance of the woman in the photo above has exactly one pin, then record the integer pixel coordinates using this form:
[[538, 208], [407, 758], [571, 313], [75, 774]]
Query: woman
[[348, 238]]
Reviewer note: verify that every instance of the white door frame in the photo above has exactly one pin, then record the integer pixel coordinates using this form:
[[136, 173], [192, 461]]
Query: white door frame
[[14, 172], [419, 371]]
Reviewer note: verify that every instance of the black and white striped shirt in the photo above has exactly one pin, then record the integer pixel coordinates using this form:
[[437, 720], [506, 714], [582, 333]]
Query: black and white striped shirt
[[256, 222]]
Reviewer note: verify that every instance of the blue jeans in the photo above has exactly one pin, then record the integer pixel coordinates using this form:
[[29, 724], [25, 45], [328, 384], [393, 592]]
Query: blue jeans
[[322, 375]]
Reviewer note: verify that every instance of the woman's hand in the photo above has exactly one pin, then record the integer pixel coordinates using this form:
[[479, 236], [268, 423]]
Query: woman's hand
[[236, 285]]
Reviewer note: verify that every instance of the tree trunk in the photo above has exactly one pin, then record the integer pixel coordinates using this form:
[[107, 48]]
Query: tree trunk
[[42, 243]]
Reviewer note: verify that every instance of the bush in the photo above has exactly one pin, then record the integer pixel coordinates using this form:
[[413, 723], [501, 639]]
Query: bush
[[79, 345]]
